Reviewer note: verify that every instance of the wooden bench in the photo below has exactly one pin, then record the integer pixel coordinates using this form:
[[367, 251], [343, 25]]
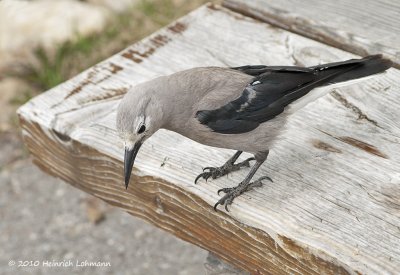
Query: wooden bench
[[334, 206], [361, 27]]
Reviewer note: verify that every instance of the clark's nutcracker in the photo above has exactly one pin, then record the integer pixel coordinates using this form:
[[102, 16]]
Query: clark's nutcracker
[[242, 108]]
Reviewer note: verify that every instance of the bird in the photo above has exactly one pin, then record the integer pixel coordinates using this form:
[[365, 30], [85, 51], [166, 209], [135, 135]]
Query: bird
[[241, 108]]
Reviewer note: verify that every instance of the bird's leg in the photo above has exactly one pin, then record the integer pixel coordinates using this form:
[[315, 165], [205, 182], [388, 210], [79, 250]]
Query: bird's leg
[[245, 185], [229, 166]]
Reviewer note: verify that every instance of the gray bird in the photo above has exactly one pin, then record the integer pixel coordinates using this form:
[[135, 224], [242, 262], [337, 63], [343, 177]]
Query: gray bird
[[242, 108]]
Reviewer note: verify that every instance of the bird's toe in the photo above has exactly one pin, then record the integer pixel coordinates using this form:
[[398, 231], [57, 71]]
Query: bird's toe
[[208, 168], [209, 172], [198, 177], [222, 201], [225, 190], [227, 199], [233, 192]]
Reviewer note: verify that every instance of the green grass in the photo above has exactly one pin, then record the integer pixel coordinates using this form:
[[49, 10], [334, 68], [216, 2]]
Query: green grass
[[147, 7], [49, 73], [70, 58], [161, 11], [51, 70]]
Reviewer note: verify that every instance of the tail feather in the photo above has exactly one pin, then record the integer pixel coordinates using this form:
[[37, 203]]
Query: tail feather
[[333, 75], [354, 68]]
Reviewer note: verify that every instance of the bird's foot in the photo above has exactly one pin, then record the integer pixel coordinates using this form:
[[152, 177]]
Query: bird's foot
[[217, 172], [233, 192]]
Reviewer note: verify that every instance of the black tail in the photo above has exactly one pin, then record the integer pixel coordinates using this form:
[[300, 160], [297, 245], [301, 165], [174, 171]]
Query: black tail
[[352, 69], [331, 73]]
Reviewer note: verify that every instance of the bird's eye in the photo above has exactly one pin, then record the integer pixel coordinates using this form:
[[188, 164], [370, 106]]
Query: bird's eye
[[142, 129]]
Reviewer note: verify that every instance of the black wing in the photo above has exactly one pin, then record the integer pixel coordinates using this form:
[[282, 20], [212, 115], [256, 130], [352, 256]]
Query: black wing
[[256, 104], [274, 87]]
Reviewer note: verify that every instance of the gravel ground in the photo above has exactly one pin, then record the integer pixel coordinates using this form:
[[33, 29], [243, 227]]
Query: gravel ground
[[44, 219]]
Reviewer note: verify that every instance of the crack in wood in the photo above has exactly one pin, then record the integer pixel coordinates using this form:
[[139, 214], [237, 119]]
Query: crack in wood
[[137, 56], [178, 27], [342, 100], [371, 149], [111, 93], [363, 146], [111, 67], [160, 40], [80, 86], [61, 136], [290, 51], [157, 41], [300, 252], [213, 7], [217, 58], [325, 146], [236, 15], [114, 68], [338, 204]]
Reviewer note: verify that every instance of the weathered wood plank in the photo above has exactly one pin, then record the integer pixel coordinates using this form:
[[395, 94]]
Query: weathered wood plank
[[361, 27], [334, 205]]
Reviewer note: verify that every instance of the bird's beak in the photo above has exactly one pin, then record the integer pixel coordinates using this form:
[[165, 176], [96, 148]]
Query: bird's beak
[[130, 155]]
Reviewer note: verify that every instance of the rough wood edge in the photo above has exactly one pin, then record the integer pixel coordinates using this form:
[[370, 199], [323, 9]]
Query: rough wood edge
[[316, 31], [171, 208]]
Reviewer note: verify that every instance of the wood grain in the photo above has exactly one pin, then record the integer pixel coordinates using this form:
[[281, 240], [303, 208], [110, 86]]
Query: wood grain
[[334, 205], [361, 27]]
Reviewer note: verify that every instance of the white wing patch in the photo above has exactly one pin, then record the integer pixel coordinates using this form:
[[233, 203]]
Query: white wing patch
[[251, 95]]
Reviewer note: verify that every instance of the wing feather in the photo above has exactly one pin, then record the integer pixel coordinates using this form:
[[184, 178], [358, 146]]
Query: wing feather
[[275, 87], [250, 109]]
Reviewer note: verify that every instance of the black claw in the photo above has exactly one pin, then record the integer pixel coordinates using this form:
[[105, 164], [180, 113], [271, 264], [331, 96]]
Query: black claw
[[265, 178], [226, 207], [197, 178], [204, 175], [246, 162], [215, 206], [209, 168], [223, 190]]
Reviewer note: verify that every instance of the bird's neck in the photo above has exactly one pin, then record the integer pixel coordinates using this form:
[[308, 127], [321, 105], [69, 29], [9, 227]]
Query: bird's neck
[[175, 103]]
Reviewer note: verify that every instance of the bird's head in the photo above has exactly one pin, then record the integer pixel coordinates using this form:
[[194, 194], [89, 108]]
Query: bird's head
[[139, 116]]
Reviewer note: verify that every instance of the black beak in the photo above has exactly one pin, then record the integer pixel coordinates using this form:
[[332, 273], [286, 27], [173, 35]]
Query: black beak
[[130, 156]]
